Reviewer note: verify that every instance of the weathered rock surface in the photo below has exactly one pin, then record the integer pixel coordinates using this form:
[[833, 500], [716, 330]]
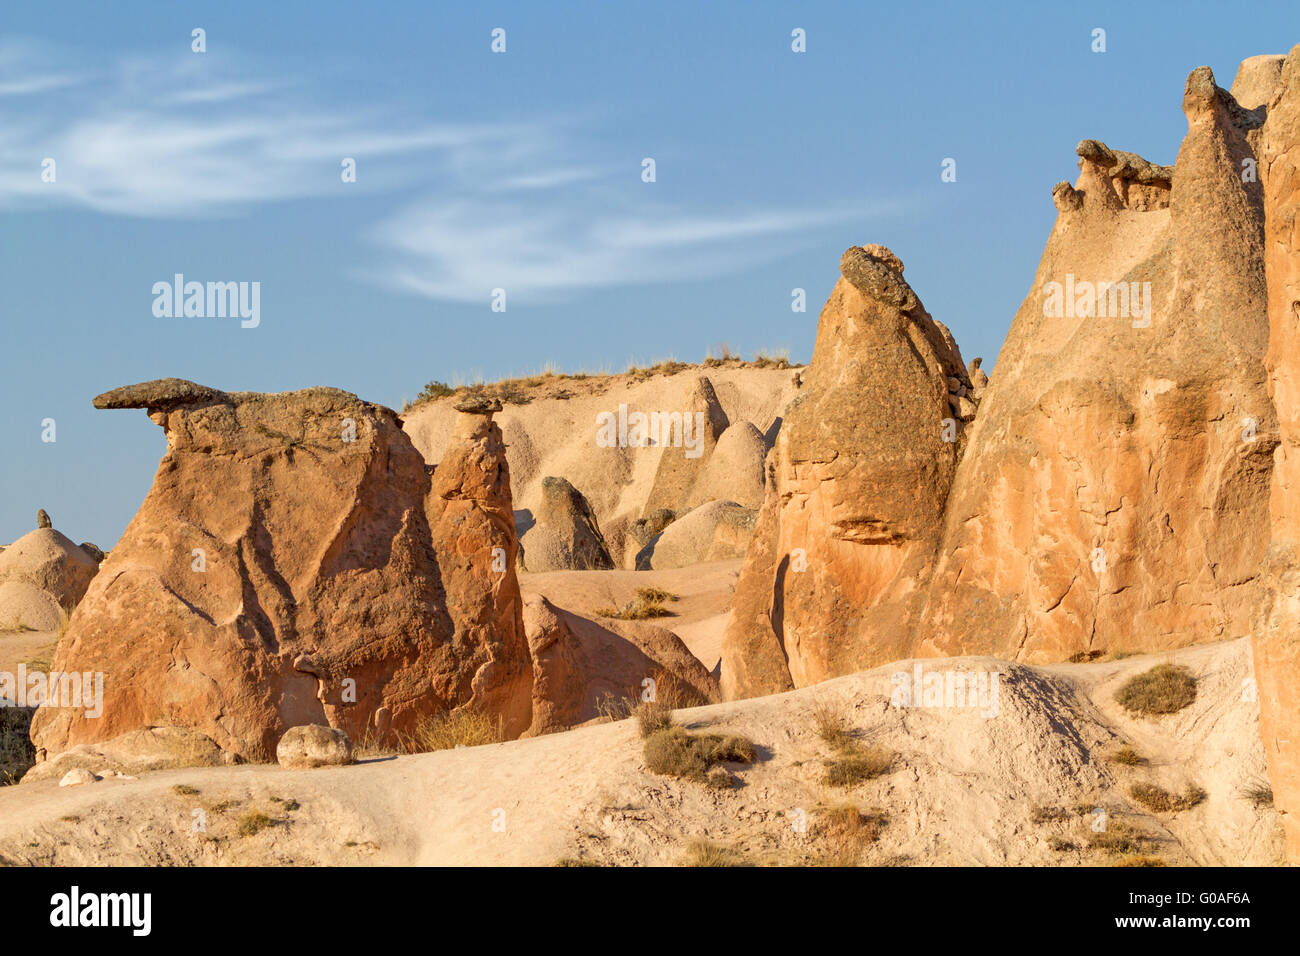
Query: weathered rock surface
[[580, 665], [282, 571], [48, 560], [554, 430], [311, 746], [138, 751], [24, 606], [566, 534], [683, 459], [1113, 495], [855, 493], [715, 531], [644, 530], [1276, 631], [734, 472], [471, 514]]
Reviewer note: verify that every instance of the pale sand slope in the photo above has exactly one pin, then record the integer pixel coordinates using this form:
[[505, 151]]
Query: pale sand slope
[[961, 791], [699, 615], [23, 647]]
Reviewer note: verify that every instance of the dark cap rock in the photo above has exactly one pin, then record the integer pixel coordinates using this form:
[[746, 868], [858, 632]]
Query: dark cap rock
[[478, 405], [877, 273], [160, 393]]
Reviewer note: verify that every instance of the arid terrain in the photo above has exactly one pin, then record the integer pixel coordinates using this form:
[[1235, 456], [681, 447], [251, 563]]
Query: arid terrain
[[886, 608], [962, 789]]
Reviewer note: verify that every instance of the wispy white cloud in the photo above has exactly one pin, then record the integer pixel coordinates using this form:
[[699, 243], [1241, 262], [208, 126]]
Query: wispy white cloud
[[462, 249], [535, 207]]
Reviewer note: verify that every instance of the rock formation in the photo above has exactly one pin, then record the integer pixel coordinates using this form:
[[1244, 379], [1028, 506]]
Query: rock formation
[[40, 573], [1114, 492], [472, 518], [734, 472], [681, 466], [566, 534], [644, 530], [1275, 84], [580, 665], [282, 571], [715, 531], [855, 491], [553, 432], [1130, 481]]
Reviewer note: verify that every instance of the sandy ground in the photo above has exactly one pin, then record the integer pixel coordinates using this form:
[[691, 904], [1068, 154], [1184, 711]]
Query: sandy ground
[[699, 615], [962, 788], [22, 647]]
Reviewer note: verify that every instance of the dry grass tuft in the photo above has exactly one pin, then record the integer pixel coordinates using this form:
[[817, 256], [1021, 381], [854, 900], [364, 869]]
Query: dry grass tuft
[[653, 716], [857, 765], [1165, 689], [675, 752], [648, 603], [17, 755], [1041, 815], [707, 853], [1160, 800], [1120, 839], [831, 719], [1084, 657], [844, 832], [254, 822], [1127, 757], [610, 707], [720, 779], [456, 728], [1259, 793], [676, 692]]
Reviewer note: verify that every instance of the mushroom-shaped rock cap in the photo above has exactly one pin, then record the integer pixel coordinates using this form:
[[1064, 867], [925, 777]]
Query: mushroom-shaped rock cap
[[1123, 165], [160, 393], [876, 272], [478, 405]]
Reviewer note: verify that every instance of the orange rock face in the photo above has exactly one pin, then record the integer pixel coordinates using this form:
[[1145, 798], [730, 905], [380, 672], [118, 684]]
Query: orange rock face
[[473, 526], [855, 494], [579, 664], [1114, 492], [282, 571], [1276, 634]]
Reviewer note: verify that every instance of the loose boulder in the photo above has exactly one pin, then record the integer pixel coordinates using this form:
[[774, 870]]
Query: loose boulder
[[311, 746], [566, 535]]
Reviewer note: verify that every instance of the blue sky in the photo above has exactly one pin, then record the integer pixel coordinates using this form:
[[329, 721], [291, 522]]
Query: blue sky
[[522, 170]]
